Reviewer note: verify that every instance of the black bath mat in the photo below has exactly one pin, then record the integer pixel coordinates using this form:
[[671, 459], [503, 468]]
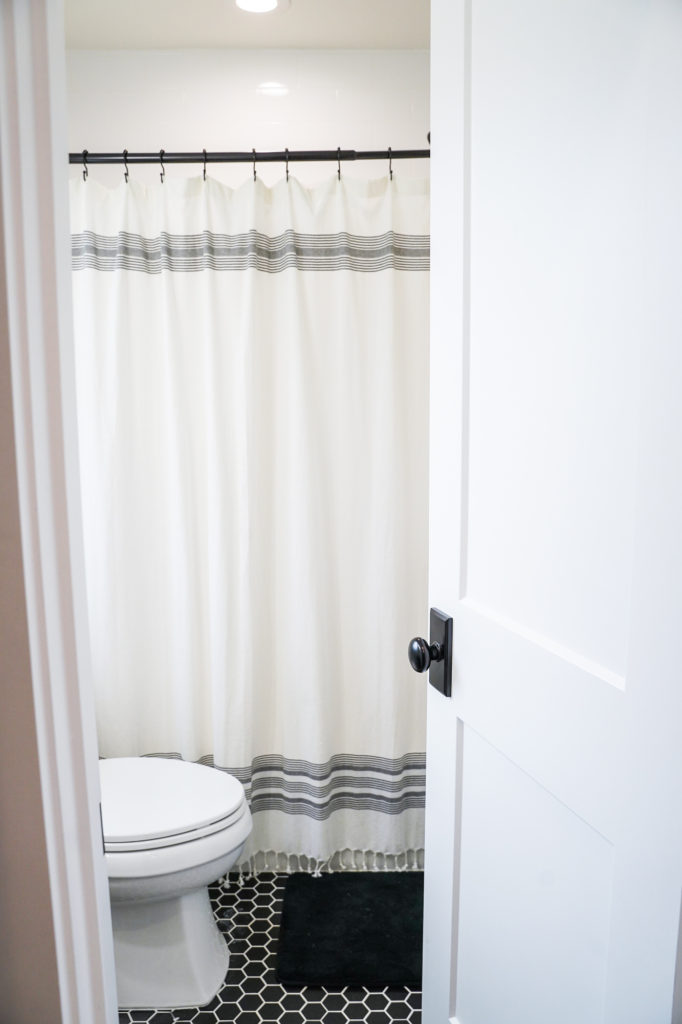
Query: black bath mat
[[352, 928]]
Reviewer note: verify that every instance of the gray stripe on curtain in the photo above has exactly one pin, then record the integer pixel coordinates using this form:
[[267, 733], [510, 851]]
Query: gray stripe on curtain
[[250, 250], [345, 781]]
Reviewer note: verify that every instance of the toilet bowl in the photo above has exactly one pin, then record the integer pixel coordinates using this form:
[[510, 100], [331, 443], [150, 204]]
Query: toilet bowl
[[170, 829]]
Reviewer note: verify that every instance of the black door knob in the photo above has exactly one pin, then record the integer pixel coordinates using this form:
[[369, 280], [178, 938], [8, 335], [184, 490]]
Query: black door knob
[[421, 653]]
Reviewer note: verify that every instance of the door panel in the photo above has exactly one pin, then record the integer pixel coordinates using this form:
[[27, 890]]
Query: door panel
[[554, 834], [553, 366], [547, 878]]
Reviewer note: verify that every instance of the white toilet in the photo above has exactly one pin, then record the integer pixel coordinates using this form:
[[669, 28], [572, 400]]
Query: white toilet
[[170, 828]]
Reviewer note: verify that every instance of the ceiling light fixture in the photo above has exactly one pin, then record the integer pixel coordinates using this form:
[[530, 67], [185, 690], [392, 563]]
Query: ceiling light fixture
[[272, 89], [262, 6]]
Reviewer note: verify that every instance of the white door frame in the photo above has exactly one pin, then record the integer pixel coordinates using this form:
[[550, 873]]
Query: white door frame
[[33, 177], [449, 189], [34, 196]]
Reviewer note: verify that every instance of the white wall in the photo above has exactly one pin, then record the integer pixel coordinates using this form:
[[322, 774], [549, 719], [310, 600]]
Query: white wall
[[217, 100]]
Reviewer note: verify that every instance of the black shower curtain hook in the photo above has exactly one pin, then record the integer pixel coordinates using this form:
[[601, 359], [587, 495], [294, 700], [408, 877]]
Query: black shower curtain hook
[[254, 163], [125, 164], [286, 152], [163, 169], [390, 164], [85, 165], [204, 165], [338, 162]]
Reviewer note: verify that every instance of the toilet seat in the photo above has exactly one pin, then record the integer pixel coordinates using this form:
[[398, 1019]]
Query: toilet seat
[[176, 838], [150, 803]]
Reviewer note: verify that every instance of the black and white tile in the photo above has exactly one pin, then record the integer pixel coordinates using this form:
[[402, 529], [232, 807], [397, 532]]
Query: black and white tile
[[249, 916]]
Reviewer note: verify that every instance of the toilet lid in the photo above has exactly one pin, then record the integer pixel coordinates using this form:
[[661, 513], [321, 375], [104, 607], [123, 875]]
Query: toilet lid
[[153, 798]]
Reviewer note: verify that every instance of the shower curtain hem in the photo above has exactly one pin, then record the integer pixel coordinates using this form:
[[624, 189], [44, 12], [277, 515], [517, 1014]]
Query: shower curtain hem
[[268, 861]]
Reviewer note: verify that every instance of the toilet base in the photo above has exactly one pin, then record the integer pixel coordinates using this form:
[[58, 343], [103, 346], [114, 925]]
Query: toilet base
[[169, 953]]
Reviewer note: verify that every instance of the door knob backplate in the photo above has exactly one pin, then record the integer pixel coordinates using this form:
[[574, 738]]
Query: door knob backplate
[[435, 655]]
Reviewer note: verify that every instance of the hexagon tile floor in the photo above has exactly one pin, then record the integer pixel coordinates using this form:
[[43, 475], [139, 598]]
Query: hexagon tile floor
[[249, 915]]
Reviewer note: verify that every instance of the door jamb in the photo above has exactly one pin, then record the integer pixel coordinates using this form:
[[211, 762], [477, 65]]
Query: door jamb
[[34, 196]]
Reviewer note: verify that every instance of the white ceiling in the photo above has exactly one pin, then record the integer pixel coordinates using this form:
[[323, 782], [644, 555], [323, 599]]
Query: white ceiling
[[186, 24]]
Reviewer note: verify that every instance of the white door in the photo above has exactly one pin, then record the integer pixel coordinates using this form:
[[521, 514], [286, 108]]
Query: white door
[[554, 801]]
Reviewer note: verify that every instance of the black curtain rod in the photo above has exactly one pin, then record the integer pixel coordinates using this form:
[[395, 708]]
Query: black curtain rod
[[282, 156]]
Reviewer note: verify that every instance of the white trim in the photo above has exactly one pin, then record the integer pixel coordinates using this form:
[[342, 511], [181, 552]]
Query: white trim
[[447, 479], [35, 203]]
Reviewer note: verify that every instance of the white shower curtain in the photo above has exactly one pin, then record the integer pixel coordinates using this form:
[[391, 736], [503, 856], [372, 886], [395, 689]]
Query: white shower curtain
[[252, 376]]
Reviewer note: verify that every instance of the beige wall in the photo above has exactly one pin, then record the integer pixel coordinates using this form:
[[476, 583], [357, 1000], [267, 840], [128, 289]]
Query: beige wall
[[29, 986]]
